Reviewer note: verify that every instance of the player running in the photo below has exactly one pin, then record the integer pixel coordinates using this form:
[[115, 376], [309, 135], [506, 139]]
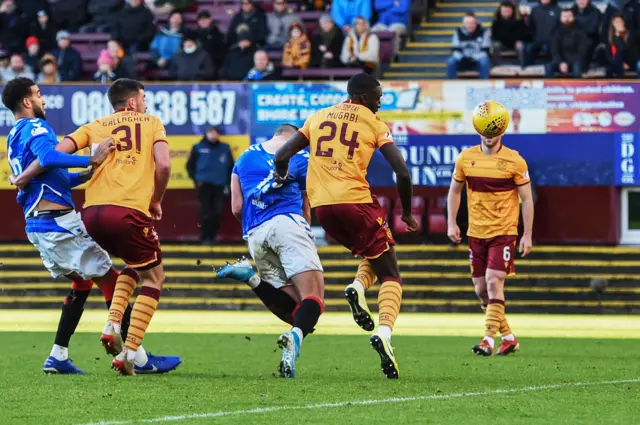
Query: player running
[[343, 138], [495, 176], [52, 224], [122, 198], [275, 219]]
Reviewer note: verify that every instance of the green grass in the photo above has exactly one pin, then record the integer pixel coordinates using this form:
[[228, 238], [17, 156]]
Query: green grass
[[226, 372]]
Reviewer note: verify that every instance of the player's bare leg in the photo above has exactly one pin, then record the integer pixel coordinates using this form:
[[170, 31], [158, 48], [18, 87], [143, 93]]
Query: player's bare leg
[[355, 295], [143, 310], [310, 287], [389, 301], [111, 337]]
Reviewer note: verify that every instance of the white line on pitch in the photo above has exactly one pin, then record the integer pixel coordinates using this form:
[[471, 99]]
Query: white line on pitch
[[360, 402]]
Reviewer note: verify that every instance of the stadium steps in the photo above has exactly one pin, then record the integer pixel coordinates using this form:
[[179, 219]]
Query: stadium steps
[[436, 279]]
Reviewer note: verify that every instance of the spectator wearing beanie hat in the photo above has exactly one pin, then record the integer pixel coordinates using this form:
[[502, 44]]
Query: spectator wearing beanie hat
[[48, 70], [105, 72], [33, 55]]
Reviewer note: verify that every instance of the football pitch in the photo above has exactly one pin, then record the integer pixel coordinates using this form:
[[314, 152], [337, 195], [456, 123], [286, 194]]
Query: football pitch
[[570, 370]]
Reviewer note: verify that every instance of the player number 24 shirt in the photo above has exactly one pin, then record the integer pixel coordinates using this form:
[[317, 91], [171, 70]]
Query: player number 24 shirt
[[126, 178], [342, 140], [492, 190]]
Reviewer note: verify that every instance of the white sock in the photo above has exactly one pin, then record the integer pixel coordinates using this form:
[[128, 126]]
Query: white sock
[[385, 332], [298, 332], [107, 328], [490, 340], [141, 358], [358, 285], [509, 337], [254, 281], [59, 353]]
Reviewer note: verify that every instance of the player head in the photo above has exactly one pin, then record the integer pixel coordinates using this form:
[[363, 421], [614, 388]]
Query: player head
[[22, 97], [365, 90], [490, 142], [127, 94], [285, 131]]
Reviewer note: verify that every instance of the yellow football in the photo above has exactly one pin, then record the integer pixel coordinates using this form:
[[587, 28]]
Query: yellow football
[[490, 119]]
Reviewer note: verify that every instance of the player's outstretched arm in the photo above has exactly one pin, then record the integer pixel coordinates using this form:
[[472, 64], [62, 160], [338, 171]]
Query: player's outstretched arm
[[453, 206], [526, 243], [161, 177], [237, 199], [295, 144], [403, 182], [67, 146]]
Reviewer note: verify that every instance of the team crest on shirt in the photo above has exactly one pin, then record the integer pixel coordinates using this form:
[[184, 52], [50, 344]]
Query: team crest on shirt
[[501, 165], [145, 231]]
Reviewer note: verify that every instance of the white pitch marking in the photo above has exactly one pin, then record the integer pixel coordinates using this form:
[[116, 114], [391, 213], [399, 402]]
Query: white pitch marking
[[361, 402]]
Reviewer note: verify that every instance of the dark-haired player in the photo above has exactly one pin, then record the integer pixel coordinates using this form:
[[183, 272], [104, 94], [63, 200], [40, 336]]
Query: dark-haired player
[[52, 224], [275, 220], [343, 138], [496, 178], [122, 200]]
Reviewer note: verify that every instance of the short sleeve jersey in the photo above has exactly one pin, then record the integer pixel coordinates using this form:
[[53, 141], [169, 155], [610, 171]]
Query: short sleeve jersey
[[342, 140], [126, 178], [492, 194]]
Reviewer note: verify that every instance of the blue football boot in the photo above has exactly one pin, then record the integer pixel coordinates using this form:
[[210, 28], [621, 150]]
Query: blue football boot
[[241, 271], [62, 367], [289, 342], [158, 364]]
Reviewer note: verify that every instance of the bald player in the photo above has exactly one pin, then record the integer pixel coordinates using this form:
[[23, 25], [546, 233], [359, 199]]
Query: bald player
[[342, 140], [497, 178]]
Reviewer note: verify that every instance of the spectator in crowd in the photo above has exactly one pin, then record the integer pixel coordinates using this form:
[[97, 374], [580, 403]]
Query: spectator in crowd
[[48, 70], [239, 59], [622, 50], [4, 62], [211, 39], [361, 48], [122, 64], [209, 166], [279, 22], [327, 44], [31, 7], [263, 69], [17, 68], [103, 15], [318, 5], [105, 73], [297, 51], [33, 55], [344, 12], [470, 44], [135, 26], [192, 63], [630, 11], [166, 44], [569, 48], [68, 58], [587, 18], [45, 31], [544, 21], [13, 27], [508, 31], [393, 15], [164, 7], [254, 19], [69, 14]]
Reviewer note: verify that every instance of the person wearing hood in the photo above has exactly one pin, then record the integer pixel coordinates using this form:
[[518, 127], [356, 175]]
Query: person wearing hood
[[209, 166], [544, 21], [588, 17], [192, 63], [166, 44], [279, 22], [239, 59], [263, 69], [254, 19], [569, 48], [508, 31], [135, 26], [327, 44], [297, 51], [45, 31], [470, 44], [361, 48]]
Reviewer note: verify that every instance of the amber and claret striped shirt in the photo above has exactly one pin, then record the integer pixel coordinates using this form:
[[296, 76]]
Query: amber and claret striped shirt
[[492, 190]]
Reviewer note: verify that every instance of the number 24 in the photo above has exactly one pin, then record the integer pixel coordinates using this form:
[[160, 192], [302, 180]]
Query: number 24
[[351, 143]]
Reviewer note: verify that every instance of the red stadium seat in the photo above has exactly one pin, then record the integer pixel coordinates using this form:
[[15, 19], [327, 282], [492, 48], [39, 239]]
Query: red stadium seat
[[417, 209], [436, 218]]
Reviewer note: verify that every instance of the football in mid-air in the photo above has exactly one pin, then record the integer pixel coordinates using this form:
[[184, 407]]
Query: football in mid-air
[[490, 119]]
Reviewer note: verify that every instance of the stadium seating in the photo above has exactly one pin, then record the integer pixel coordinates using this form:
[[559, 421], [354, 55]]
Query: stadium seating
[[417, 209]]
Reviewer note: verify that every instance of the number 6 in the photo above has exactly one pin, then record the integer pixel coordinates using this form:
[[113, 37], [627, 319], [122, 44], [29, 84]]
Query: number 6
[[506, 253]]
